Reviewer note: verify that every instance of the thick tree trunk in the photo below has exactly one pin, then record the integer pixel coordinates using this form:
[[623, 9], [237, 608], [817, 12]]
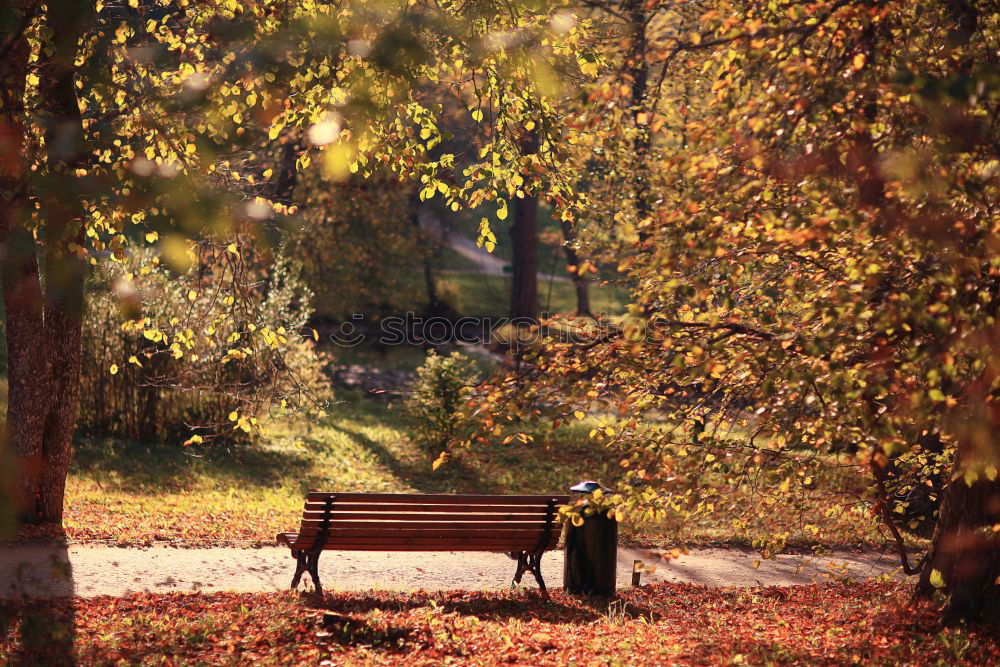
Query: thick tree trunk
[[63, 339], [65, 272], [27, 368], [22, 289], [524, 238], [44, 328], [964, 562], [573, 263]]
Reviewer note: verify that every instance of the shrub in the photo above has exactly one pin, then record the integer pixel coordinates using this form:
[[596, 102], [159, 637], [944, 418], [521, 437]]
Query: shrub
[[434, 406], [143, 386]]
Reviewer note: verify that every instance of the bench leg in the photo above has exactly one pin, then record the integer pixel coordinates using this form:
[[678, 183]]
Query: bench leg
[[300, 567], [522, 567], [313, 569], [536, 569], [529, 562]]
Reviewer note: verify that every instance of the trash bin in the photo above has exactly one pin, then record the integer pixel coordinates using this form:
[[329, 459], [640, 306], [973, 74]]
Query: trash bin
[[591, 551]]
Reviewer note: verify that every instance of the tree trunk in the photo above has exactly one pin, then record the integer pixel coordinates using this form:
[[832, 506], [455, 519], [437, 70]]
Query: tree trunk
[[27, 366], [964, 562], [638, 73], [573, 263], [428, 247], [22, 289], [524, 237], [44, 328]]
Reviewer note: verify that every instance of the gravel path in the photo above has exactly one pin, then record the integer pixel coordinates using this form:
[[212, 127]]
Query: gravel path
[[90, 570]]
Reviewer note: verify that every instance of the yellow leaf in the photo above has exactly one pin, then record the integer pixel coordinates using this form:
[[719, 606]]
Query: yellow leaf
[[114, 369], [192, 295], [937, 579], [477, 115], [579, 414], [859, 61], [193, 440], [232, 248], [233, 416], [151, 237]]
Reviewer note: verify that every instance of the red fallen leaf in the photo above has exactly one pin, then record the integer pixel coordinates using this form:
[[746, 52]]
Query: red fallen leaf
[[665, 624]]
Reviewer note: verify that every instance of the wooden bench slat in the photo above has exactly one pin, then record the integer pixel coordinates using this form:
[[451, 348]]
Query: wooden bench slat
[[335, 533], [401, 507], [424, 544], [536, 517], [429, 525], [436, 547], [434, 498]]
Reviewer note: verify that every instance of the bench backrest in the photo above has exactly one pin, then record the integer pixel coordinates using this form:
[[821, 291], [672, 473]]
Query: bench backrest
[[430, 522]]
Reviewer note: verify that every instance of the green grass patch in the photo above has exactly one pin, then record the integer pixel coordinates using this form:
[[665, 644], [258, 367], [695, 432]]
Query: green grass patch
[[478, 295], [129, 492], [141, 492]]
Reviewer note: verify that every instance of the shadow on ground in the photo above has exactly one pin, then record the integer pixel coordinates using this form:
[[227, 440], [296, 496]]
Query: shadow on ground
[[143, 467], [38, 616]]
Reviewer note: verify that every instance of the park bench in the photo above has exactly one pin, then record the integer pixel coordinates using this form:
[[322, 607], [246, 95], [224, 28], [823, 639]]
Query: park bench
[[523, 527]]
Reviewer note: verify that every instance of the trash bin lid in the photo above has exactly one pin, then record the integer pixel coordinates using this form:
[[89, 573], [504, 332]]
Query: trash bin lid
[[587, 487]]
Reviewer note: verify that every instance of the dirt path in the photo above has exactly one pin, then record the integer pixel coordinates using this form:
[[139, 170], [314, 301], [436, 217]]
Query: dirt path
[[89, 570]]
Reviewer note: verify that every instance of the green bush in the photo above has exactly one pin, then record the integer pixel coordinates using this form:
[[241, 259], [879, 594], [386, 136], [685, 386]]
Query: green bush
[[157, 389], [434, 406]]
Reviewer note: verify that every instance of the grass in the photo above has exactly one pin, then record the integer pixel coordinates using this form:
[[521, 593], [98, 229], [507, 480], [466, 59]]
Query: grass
[[131, 492], [832, 624], [141, 493], [478, 295]]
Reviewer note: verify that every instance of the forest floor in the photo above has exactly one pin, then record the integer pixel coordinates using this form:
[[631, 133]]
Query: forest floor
[[870, 623], [89, 570]]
